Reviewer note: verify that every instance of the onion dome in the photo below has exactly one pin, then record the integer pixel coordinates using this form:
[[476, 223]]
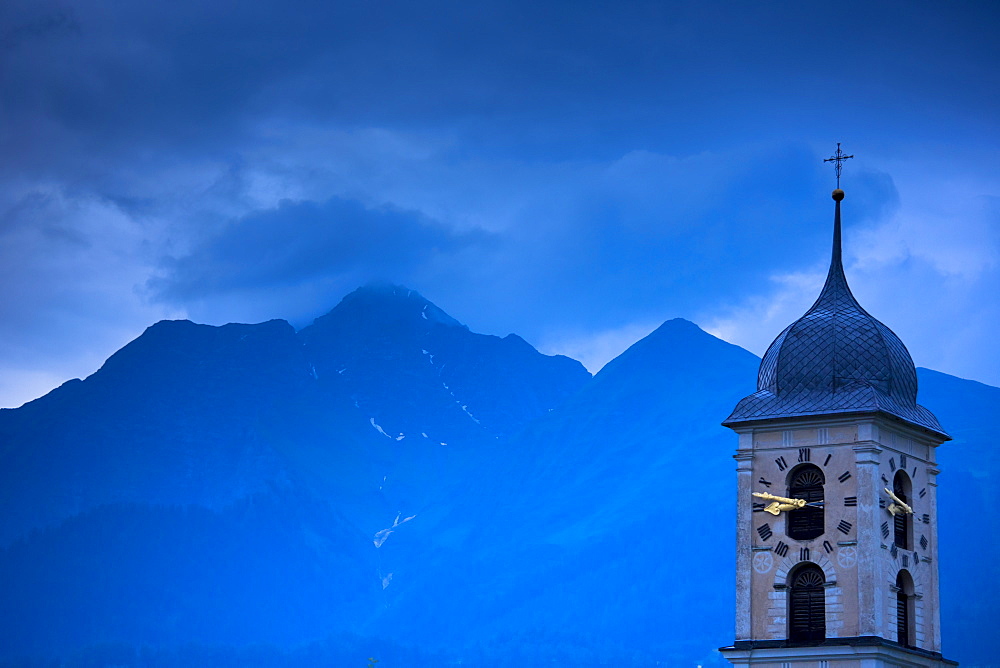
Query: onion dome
[[836, 359]]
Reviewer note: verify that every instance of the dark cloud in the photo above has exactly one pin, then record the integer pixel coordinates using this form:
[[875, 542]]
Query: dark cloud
[[633, 160], [90, 88], [304, 242]]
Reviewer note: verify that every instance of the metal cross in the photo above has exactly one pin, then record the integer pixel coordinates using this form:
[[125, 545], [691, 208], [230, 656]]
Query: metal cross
[[838, 158]]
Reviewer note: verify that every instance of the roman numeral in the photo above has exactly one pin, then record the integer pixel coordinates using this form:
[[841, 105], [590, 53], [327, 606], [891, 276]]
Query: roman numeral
[[827, 460], [885, 529], [844, 477], [927, 518], [804, 554], [881, 503], [758, 507], [892, 464], [916, 558], [906, 561], [844, 527], [765, 531], [782, 464], [827, 546], [923, 492], [885, 481], [782, 549], [850, 500], [923, 542], [902, 461], [914, 472], [894, 550], [803, 454], [764, 482]]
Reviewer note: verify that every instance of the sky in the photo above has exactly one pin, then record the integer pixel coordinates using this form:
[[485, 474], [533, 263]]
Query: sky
[[574, 172]]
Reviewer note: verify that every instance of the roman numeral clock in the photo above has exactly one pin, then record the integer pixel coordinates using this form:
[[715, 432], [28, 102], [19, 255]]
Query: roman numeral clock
[[836, 561]]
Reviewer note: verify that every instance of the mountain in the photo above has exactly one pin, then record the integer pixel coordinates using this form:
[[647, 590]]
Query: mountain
[[387, 483], [968, 526], [167, 420]]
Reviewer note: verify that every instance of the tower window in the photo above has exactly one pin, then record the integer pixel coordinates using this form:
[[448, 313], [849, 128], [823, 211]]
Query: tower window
[[807, 605], [901, 522], [904, 609], [806, 482]]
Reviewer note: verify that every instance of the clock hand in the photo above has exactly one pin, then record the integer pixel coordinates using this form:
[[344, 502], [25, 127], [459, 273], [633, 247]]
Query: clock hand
[[899, 506], [797, 503], [780, 503]]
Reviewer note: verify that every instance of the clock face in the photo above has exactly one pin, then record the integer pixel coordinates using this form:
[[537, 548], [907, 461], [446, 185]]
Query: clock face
[[788, 489]]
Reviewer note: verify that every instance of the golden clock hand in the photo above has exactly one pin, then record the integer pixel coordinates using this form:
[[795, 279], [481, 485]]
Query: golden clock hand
[[783, 500], [899, 506]]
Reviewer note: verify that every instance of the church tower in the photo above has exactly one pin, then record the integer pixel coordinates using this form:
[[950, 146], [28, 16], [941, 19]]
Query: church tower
[[836, 537]]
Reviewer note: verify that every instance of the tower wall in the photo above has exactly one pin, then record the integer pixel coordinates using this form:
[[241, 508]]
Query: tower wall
[[859, 457]]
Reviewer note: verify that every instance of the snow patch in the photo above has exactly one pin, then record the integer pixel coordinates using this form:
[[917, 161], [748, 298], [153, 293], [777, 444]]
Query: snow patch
[[382, 535], [474, 418], [377, 427]]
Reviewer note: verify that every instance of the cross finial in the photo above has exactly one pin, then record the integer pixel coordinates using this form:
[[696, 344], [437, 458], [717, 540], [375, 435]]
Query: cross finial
[[838, 158]]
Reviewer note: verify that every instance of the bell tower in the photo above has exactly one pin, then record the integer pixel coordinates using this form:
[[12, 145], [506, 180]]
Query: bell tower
[[836, 523]]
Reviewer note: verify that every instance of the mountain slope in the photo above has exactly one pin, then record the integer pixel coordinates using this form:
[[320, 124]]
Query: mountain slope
[[187, 432], [168, 419], [968, 525], [225, 486]]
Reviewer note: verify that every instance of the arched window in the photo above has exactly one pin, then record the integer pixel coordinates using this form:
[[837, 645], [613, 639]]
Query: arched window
[[901, 521], [807, 605], [806, 482], [904, 609]]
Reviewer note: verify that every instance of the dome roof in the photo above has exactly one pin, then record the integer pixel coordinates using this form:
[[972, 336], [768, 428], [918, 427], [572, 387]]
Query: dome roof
[[836, 359]]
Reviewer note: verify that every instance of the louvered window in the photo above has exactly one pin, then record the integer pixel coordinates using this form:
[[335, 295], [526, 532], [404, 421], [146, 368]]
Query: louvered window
[[901, 521], [904, 605], [807, 606], [806, 483], [902, 619]]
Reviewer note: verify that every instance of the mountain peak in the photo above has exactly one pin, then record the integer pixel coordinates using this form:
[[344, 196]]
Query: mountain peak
[[386, 302], [679, 344]]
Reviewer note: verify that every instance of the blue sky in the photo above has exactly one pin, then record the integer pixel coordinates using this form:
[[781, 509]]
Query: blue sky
[[574, 172]]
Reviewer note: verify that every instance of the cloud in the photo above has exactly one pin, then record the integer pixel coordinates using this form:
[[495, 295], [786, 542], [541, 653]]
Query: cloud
[[69, 264], [551, 169], [296, 244], [923, 268]]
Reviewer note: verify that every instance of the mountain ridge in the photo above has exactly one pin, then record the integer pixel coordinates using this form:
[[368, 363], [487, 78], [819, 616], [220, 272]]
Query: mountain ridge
[[528, 504]]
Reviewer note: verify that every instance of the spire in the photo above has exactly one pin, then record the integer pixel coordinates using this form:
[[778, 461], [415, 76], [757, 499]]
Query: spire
[[836, 287], [836, 281]]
